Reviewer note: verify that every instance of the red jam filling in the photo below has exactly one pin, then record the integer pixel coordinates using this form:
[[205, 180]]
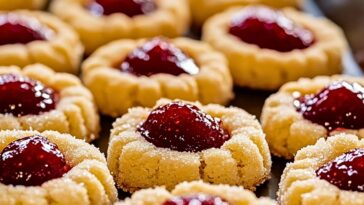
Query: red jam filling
[[21, 96], [31, 161], [19, 29], [200, 199], [270, 29], [338, 106], [183, 127], [158, 56], [128, 7], [346, 171]]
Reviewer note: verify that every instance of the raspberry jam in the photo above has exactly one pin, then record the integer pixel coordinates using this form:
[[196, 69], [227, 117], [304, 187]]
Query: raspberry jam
[[183, 127], [200, 199], [20, 29], [338, 106], [270, 29], [346, 171], [130, 8], [21, 96], [158, 56], [31, 161]]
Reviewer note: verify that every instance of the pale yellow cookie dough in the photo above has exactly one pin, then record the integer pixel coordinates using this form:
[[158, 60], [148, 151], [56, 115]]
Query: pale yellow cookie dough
[[89, 182], [22, 4], [115, 91], [234, 195], [242, 160], [201, 10], [286, 129], [171, 19], [75, 113], [268, 69], [300, 185], [62, 51]]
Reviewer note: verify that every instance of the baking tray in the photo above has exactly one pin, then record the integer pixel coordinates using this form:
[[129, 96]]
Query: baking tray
[[252, 100]]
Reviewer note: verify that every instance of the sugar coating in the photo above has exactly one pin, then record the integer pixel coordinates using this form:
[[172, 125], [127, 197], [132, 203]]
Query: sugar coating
[[62, 52], [235, 195], [286, 129], [242, 160], [75, 113], [300, 185], [89, 182], [268, 69], [171, 19], [115, 91], [21, 4]]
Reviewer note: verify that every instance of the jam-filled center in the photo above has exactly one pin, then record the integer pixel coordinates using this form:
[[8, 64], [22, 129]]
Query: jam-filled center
[[20, 29], [183, 127], [31, 161], [270, 29], [20, 95], [346, 171], [338, 106], [200, 199], [158, 56], [130, 8]]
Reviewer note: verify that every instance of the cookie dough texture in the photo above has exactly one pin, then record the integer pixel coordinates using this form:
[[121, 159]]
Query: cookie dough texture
[[89, 182], [171, 19], [201, 10], [268, 69], [62, 51], [115, 91], [300, 185], [137, 164], [233, 194], [286, 129], [22, 4], [75, 113]]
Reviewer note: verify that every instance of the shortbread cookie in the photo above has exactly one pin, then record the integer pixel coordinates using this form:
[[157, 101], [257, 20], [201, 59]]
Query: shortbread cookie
[[304, 111], [196, 191], [130, 73], [22, 4], [99, 21], [52, 168], [330, 172], [37, 98], [180, 141], [267, 48]]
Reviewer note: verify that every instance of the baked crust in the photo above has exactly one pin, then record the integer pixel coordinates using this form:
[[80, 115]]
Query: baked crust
[[89, 181], [201, 10], [299, 183], [233, 194], [62, 52], [115, 92], [286, 129], [171, 19], [75, 113], [268, 69], [21, 4], [242, 160]]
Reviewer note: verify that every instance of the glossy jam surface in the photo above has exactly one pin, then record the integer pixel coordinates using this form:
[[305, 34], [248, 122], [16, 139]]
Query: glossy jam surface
[[158, 56], [130, 8], [338, 106], [200, 199], [31, 161], [270, 29], [20, 29], [346, 171], [21, 96], [183, 127]]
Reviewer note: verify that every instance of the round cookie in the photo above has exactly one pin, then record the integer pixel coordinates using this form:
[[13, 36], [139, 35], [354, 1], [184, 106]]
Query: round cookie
[[22, 4]]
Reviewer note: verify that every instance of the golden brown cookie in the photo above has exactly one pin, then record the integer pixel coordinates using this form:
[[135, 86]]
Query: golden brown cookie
[[180, 141], [260, 58], [202, 74], [37, 98], [86, 179], [22, 4], [168, 18]]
